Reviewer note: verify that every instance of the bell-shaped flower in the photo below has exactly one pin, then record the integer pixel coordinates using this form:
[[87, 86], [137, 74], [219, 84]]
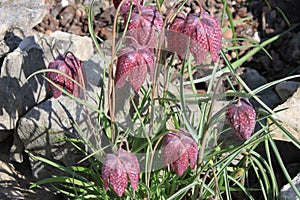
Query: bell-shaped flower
[[178, 150], [133, 63], [69, 65], [116, 169], [205, 36], [145, 22], [241, 116]]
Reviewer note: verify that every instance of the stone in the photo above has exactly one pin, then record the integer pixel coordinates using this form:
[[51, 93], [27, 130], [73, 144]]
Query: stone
[[33, 53], [254, 80], [23, 15], [41, 128], [14, 185], [287, 192], [82, 47], [286, 89], [8, 181], [288, 117], [4, 134], [60, 42], [19, 95], [10, 38]]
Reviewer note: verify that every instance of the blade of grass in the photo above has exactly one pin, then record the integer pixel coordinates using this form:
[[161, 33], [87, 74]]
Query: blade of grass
[[281, 164], [226, 183], [56, 165], [255, 166]]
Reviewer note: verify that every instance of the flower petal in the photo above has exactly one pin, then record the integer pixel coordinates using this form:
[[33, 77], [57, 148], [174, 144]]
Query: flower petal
[[181, 164]]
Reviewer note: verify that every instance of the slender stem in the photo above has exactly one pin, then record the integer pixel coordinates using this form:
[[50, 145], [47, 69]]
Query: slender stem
[[229, 14], [151, 160], [111, 80], [158, 6], [205, 135], [199, 191], [216, 181]]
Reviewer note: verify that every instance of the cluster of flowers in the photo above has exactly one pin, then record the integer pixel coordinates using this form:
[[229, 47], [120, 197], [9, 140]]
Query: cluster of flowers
[[144, 22], [179, 149], [137, 58]]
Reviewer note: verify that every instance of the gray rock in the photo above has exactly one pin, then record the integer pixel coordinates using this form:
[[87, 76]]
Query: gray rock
[[8, 181], [19, 95], [23, 15], [14, 185], [40, 130], [288, 117], [60, 42], [287, 193], [33, 53], [286, 89], [254, 80], [82, 47], [41, 127], [4, 134], [9, 39]]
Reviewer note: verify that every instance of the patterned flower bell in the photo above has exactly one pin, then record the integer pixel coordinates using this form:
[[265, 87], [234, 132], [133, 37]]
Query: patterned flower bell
[[241, 116], [117, 168], [178, 150], [69, 65]]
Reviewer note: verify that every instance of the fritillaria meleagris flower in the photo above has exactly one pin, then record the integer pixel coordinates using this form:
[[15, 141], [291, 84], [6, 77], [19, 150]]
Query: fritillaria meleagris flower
[[145, 22], [178, 150], [205, 36], [116, 169], [177, 42], [133, 63], [69, 65], [124, 10], [241, 116]]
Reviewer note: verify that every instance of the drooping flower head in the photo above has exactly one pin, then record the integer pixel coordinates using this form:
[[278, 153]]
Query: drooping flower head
[[117, 168], [133, 63], [178, 150], [241, 116], [205, 36], [70, 66], [145, 22]]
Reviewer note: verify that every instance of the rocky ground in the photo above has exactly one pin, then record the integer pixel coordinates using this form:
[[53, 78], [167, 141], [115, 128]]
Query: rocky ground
[[265, 21]]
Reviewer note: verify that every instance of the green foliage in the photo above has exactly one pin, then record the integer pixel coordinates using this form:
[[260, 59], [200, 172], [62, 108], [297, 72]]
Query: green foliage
[[222, 171]]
